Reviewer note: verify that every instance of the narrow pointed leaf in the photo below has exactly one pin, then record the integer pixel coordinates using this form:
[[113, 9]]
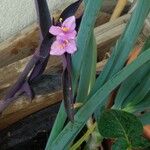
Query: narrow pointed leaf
[[42, 54], [83, 38], [88, 71], [58, 126], [125, 44], [70, 10], [129, 85], [72, 129], [138, 94], [140, 107], [43, 16]]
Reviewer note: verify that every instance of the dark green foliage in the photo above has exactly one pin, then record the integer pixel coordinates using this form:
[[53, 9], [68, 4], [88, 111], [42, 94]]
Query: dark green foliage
[[94, 94], [124, 127], [71, 130]]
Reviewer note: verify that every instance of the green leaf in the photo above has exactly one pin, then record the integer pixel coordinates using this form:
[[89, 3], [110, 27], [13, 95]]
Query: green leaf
[[120, 143], [86, 28], [142, 106], [86, 2], [117, 123], [120, 124], [145, 118], [128, 39], [83, 38], [58, 125], [131, 82], [140, 142], [81, 54], [88, 71], [125, 44], [138, 93], [72, 129], [129, 85]]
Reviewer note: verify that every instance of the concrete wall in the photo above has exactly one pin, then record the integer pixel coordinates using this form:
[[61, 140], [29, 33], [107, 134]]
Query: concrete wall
[[17, 14]]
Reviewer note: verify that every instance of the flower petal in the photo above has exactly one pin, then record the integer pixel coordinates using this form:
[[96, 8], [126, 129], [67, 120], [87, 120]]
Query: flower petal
[[71, 47], [70, 23], [56, 48], [67, 36], [71, 35], [55, 30]]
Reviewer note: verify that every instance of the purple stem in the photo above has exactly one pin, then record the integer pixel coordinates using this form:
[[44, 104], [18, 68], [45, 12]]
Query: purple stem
[[21, 78], [5, 103], [67, 87]]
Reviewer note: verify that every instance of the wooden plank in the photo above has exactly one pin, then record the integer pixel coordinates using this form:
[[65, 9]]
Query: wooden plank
[[110, 30], [19, 46], [9, 74], [22, 107]]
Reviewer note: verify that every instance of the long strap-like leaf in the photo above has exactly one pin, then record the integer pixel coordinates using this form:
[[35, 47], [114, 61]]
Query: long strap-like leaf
[[88, 71], [72, 129], [86, 29], [125, 44], [133, 80], [43, 16]]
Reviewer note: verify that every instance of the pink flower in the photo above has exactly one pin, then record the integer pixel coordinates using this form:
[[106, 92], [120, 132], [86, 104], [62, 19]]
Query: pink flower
[[60, 46], [65, 37], [67, 29]]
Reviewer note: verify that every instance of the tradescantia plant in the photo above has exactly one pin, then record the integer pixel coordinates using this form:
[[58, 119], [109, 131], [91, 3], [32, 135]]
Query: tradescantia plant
[[38, 63], [94, 93], [93, 121]]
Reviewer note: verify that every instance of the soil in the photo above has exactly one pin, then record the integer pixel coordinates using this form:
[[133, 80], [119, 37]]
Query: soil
[[30, 133]]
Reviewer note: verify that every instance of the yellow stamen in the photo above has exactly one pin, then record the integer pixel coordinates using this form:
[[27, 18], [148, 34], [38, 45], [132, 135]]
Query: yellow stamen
[[65, 29], [63, 45]]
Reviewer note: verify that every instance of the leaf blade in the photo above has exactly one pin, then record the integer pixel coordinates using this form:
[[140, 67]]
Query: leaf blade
[[71, 130]]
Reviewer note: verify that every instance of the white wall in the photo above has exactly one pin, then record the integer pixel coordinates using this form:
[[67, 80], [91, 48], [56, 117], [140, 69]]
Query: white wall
[[17, 14]]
